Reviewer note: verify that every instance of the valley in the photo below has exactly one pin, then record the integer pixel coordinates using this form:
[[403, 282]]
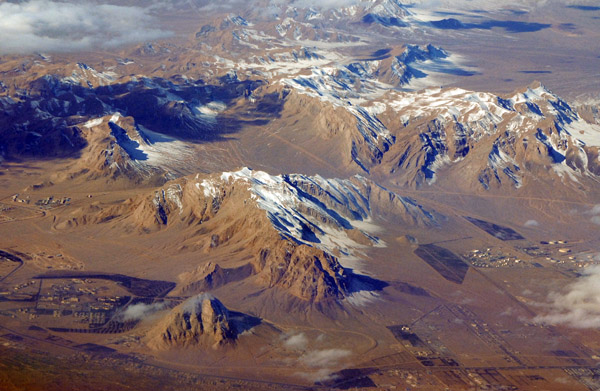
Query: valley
[[421, 318]]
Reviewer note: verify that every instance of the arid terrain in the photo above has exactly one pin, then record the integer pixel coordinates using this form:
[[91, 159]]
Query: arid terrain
[[299, 195]]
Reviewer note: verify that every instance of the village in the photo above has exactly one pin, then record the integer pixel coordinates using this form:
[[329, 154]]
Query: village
[[559, 253], [69, 303], [47, 202]]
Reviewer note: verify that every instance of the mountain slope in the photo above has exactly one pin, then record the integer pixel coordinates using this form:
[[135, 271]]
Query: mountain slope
[[201, 321], [303, 234], [498, 142]]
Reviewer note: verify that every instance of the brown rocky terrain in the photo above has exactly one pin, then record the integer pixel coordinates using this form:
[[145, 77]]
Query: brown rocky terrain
[[420, 212], [201, 321]]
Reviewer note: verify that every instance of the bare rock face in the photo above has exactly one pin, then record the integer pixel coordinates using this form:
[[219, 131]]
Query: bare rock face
[[303, 271], [201, 321], [293, 228], [213, 276], [518, 142]]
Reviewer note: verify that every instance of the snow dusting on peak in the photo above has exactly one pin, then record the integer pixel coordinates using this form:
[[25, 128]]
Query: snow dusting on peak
[[115, 118], [452, 122], [93, 122], [87, 76], [209, 188], [324, 213]]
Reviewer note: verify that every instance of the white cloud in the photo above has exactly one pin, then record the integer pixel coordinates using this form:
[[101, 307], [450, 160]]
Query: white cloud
[[322, 363], [595, 212], [236, 4], [579, 307], [51, 26], [141, 311], [324, 358], [195, 303], [531, 223], [318, 364], [323, 4], [298, 342]]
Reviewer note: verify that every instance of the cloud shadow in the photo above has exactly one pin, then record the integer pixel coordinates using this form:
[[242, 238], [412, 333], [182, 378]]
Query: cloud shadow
[[511, 26]]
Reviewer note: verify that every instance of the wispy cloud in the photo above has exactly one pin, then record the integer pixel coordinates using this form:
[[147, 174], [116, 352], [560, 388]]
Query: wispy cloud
[[52, 26], [297, 342], [324, 358], [595, 212], [141, 311], [322, 363], [315, 355], [318, 4], [531, 223], [579, 306], [324, 4]]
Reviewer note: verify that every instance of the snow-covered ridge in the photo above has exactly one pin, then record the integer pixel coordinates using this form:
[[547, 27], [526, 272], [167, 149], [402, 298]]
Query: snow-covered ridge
[[317, 67], [314, 10], [354, 85], [86, 75], [144, 148], [337, 82], [170, 112], [303, 218], [451, 117], [329, 214]]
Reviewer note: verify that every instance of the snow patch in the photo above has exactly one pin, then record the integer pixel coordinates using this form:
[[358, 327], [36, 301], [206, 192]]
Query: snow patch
[[307, 219], [362, 298], [93, 122], [210, 190], [588, 133], [115, 118], [174, 194], [209, 112]]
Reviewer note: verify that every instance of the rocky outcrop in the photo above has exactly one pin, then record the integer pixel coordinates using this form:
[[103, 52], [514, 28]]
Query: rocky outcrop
[[201, 321], [296, 230], [487, 142], [303, 271]]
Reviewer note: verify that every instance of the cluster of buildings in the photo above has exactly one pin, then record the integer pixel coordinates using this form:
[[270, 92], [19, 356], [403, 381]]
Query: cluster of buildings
[[75, 298], [51, 201], [487, 258]]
